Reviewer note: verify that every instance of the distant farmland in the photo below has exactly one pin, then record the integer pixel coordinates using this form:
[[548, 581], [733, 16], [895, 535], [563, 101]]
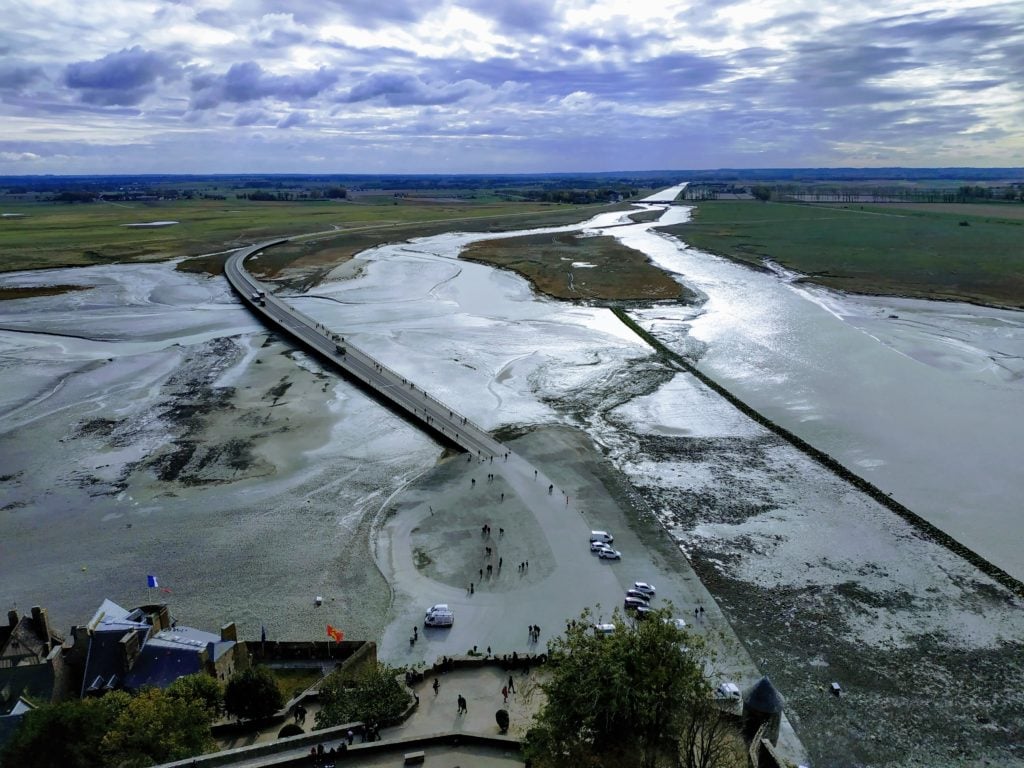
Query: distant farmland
[[937, 251]]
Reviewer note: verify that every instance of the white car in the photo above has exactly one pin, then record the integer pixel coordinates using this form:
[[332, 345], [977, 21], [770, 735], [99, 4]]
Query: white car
[[597, 546], [609, 554], [677, 623], [728, 691], [643, 586], [439, 615], [604, 629]]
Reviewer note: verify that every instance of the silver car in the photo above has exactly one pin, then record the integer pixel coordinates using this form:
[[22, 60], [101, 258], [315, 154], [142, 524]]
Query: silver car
[[643, 586], [609, 554]]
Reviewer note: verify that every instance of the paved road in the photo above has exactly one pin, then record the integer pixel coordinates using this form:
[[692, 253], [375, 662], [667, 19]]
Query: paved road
[[417, 404]]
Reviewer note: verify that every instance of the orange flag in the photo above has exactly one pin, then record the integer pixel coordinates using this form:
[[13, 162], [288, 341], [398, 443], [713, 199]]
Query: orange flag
[[335, 634]]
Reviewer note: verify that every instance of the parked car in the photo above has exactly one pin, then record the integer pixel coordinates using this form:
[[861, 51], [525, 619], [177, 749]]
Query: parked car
[[609, 554], [643, 611], [638, 594], [632, 603], [677, 623], [596, 546], [604, 536], [439, 615], [604, 629], [728, 691], [643, 586]]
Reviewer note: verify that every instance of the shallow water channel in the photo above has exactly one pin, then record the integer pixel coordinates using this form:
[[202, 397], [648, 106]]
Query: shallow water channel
[[924, 399]]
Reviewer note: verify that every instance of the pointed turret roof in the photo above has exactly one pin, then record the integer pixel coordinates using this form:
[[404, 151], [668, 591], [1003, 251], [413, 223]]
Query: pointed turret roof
[[762, 697]]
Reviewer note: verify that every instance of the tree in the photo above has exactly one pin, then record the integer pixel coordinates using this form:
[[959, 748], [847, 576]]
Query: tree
[[618, 699], [374, 696], [68, 735], [202, 688], [761, 193], [156, 728], [708, 739], [252, 693]]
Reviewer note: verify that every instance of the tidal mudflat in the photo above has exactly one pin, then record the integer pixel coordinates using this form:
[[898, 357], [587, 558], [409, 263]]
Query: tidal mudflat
[[122, 402]]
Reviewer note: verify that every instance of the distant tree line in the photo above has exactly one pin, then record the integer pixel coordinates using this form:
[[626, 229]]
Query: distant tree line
[[857, 193], [331, 193], [575, 196]]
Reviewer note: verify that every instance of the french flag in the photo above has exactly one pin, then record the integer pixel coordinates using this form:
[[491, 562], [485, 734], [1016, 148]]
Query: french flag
[[151, 582]]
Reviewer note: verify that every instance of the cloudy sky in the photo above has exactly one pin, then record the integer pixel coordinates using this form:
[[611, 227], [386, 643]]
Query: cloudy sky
[[375, 86]]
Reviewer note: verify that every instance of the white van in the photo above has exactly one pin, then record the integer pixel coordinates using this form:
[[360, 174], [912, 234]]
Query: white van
[[604, 536], [439, 615]]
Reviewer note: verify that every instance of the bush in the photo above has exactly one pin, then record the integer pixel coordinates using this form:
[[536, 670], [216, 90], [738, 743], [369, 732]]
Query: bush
[[375, 696], [291, 729], [252, 694]]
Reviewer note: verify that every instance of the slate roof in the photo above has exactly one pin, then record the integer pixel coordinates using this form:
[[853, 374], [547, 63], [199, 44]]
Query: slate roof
[[22, 640], [762, 697], [164, 656]]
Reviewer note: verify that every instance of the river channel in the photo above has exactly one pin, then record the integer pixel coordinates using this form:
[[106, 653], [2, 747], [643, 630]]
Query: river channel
[[924, 399]]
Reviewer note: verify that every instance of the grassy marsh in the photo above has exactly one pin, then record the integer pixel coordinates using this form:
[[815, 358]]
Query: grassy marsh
[[933, 252], [566, 266], [64, 234]]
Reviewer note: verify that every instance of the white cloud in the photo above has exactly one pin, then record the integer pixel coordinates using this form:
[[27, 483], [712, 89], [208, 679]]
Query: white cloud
[[896, 80]]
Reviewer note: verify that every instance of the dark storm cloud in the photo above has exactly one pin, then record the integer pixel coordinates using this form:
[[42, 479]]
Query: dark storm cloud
[[556, 75], [606, 40], [529, 16], [14, 77], [293, 119], [124, 78], [990, 39], [248, 81], [249, 117], [402, 89]]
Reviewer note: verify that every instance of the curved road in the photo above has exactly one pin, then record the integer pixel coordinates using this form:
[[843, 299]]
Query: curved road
[[404, 394]]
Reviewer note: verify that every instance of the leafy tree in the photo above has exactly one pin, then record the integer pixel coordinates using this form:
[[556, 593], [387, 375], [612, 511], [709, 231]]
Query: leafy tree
[[618, 699], [202, 688], [156, 728], [68, 735], [374, 696], [761, 193], [252, 693]]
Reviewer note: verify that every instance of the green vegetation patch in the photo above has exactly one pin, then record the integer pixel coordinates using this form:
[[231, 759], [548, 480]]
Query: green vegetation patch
[[567, 266], [81, 234], [31, 291], [642, 216], [312, 258], [935, 254], [292, 682]]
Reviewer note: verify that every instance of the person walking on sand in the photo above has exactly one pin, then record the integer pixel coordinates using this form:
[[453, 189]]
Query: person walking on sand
[[511, 685], [504, 693], [437, 686]]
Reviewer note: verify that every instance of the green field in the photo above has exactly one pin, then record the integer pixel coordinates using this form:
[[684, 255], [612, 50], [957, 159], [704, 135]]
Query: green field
[[928, 252], [63, 234]]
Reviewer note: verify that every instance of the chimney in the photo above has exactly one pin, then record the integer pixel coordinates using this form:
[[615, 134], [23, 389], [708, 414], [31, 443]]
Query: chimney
[[12, 618], [229, 632], [41, 623], [129, 650]]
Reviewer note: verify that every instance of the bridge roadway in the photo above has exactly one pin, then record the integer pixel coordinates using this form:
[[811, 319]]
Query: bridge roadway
[[405, 395]]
